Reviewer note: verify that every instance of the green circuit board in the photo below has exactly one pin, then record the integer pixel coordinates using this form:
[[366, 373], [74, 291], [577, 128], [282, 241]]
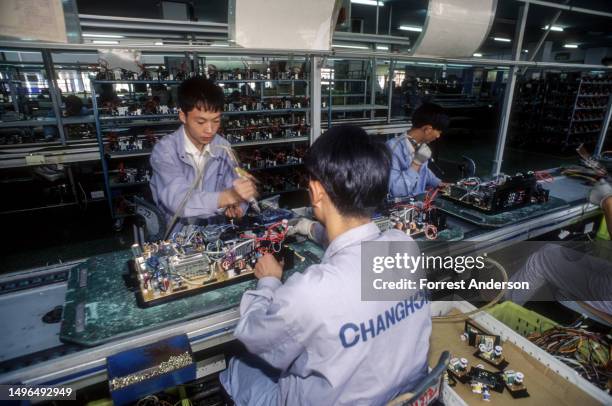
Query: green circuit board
[[99, 307]]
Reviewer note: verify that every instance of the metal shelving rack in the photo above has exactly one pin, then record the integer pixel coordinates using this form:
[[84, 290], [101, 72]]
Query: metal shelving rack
[[587, 121], [25, 156], [145, 120], [562, 112], [346, 93]]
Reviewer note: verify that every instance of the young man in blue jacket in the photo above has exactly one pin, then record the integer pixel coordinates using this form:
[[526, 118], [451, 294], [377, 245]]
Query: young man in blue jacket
[[313, 340], [196, 157], [410, 174]]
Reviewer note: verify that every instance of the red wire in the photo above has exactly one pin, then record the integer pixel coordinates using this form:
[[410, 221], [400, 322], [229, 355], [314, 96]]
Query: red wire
[[544, 176]]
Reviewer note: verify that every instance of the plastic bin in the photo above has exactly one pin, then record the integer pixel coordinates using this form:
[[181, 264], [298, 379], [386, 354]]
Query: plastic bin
[[521, 320]]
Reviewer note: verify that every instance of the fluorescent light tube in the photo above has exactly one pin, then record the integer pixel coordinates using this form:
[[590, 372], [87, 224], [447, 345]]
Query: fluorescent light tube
[[102, 36], [553, 28], [350, 46], [368, 2], [410, 28]]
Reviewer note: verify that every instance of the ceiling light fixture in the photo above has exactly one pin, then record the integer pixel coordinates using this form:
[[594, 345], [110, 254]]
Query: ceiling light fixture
[[410, 28], [500, 39], [368, 2], [382, 47], [570, 46], [105, 42], [350, 46], [553, 28], [477, 55], [102, 36]]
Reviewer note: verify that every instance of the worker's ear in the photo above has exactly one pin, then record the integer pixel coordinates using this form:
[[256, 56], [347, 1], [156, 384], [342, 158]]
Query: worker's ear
[[427, 128], [317, 193], [182, 116]]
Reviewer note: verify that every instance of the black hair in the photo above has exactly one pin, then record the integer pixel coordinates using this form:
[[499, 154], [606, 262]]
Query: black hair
[[73, 105], [430, 114], [199, 92], [352, 167]]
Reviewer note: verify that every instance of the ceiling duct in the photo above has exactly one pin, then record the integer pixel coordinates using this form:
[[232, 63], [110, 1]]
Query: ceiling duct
[[283, 24], [455, 28]]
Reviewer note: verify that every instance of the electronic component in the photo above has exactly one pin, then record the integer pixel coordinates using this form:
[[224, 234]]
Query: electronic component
[[245, 103], [260, 158], [476, 336], [493, 356], [415, 218], [149, 107], [290, 180], [458, 369], [486, 378], [201, 258], [131, 143], [264, 128], [271, 215], [514, 383], [132, 175], [497, 195]]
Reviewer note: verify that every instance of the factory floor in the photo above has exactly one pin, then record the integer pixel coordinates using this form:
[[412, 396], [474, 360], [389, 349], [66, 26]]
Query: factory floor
[[53, 235]]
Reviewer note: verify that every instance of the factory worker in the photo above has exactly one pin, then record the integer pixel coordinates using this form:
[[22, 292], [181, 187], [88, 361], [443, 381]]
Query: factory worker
[[410, 174], [570, 274], [195, 161], [312, 340]]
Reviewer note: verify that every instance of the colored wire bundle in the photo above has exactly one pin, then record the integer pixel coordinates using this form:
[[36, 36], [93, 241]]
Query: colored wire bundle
[[586, 352], [275, 235], [577, 173]]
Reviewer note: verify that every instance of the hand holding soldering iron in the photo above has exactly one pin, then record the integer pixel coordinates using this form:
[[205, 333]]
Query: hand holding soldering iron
[[244, 189]]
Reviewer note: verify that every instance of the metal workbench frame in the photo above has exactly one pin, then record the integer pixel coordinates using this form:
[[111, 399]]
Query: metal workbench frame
[[88, 366]]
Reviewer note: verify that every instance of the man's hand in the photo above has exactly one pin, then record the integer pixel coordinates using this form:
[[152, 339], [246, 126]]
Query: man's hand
[[268, 266], [601, 192], [303, 227], [245, 189], [234, 211]]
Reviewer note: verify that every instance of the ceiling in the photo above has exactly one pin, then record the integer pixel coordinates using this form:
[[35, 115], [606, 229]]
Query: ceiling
[[587, 31]]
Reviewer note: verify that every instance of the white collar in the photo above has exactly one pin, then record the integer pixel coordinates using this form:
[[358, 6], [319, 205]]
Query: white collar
[[191, 149]]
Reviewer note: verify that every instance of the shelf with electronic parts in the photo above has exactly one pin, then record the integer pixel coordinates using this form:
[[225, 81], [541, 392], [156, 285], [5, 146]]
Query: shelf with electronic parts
[[122, 185], [28, 123], [272, 167], [175, 116], [145, 152], [178, 82], [47, 121], [356, 107]]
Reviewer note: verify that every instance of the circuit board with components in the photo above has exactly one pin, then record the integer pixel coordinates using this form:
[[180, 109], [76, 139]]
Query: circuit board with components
[[416, 218], [497, 195], [203, 258]]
